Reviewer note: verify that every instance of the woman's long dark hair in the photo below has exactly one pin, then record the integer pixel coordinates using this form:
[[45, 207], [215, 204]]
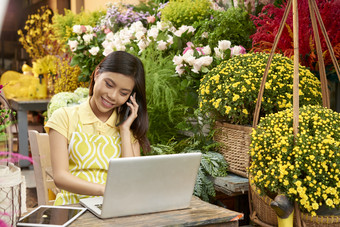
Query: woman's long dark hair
[[129, 65]]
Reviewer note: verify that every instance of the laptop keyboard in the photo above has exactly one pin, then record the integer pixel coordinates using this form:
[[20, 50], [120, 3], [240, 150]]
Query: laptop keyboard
[[99, 206]]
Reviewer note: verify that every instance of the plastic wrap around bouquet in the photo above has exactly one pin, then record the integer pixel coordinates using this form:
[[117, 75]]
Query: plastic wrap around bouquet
[[12, 194]]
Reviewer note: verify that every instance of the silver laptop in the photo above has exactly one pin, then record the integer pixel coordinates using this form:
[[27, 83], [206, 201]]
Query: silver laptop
[[146, 184]]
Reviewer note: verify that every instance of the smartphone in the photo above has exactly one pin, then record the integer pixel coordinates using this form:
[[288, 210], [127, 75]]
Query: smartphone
[[125, 108]]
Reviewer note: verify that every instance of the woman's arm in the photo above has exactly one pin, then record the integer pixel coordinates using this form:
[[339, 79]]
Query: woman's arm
[[129, 149], [60, 165]]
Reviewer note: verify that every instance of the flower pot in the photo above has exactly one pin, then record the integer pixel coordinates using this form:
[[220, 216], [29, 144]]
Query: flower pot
[[235, 141]]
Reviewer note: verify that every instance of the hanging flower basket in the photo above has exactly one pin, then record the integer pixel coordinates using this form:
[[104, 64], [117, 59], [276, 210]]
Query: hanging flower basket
[[229, 93]]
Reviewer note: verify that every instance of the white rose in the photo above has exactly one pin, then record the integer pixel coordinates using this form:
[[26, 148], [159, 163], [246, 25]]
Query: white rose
[[237, 50], [142, 45], [178, 33], [109, 36], [162, 25], [206, 60], [89, 29], [87, 38], [189, 59], [77, 29], [161, 45], [94, 51], [107, 50], [139, 35], [191, 29], [206, 50], [170, 39], [196, 66], [218, 53], [179, 69], [188, 53], [106, 43], [153, 32], [177, 59], [73, 45], [224, 44]]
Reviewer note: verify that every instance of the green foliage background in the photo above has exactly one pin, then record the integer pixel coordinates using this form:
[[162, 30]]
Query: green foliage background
[[185, 12], [233, 25]]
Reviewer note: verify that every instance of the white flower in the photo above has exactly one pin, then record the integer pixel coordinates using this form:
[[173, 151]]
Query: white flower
[[202, 61], [77, 29], [73, 45], [94, 51], [179, 69], [177, 60], [205, 35], [161, 45], [206, 50], [205, 60], [107, 50], [187, 57], [87, 38], [89, 29], [237, 50], [188, 53], [224, 44], [139, 35], [191, 29], [161, 25], [153, 32], [178, 33], [218, 53], [109, 36], [142, 44], [170, 39]]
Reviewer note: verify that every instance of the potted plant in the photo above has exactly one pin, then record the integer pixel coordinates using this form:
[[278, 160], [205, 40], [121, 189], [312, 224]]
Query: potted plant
[[305, 169], [229, 93]]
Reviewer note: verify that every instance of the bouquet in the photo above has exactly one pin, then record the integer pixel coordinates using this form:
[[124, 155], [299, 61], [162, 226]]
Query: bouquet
[[230, 90], [307, 170]]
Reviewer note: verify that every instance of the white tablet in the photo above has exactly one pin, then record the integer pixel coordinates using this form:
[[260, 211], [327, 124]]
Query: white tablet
[[49, 216]]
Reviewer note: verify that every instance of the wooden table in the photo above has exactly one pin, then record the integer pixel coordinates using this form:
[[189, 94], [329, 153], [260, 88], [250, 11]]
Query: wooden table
[[22, 106], [199, 213]]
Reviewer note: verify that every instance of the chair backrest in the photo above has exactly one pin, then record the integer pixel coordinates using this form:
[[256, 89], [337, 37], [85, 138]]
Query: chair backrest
[[40, 149]]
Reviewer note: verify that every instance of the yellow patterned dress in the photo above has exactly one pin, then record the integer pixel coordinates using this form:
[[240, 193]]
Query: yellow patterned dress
[[89, 157]]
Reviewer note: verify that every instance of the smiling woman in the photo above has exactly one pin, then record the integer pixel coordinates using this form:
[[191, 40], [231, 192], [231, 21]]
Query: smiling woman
[[83, 138]]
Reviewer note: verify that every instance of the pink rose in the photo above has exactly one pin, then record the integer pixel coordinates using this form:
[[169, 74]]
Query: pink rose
[[107, 30], [151, 19], [83, 28]]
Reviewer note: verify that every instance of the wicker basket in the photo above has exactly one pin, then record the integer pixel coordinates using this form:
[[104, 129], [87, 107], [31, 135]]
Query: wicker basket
[[264, 215], [235, 140]]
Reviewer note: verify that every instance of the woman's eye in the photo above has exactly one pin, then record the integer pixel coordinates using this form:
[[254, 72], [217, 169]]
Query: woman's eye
[[108, 84], [124, 94]]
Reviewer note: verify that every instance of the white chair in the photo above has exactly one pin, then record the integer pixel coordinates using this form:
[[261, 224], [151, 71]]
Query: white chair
[[40, 149]]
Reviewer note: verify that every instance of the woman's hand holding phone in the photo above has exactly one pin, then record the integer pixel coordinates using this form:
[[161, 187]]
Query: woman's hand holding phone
[[131, 113]]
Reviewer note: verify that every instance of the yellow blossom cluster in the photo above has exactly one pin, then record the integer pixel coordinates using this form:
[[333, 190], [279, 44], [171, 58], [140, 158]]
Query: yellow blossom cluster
[[230, 90], [37, 38], [67, 77], [306, 169]]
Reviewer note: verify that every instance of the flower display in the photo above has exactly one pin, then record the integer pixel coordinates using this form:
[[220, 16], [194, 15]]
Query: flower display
[[230, 90], [116, 18], [37, 37], [307, 170], [196, 61]]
